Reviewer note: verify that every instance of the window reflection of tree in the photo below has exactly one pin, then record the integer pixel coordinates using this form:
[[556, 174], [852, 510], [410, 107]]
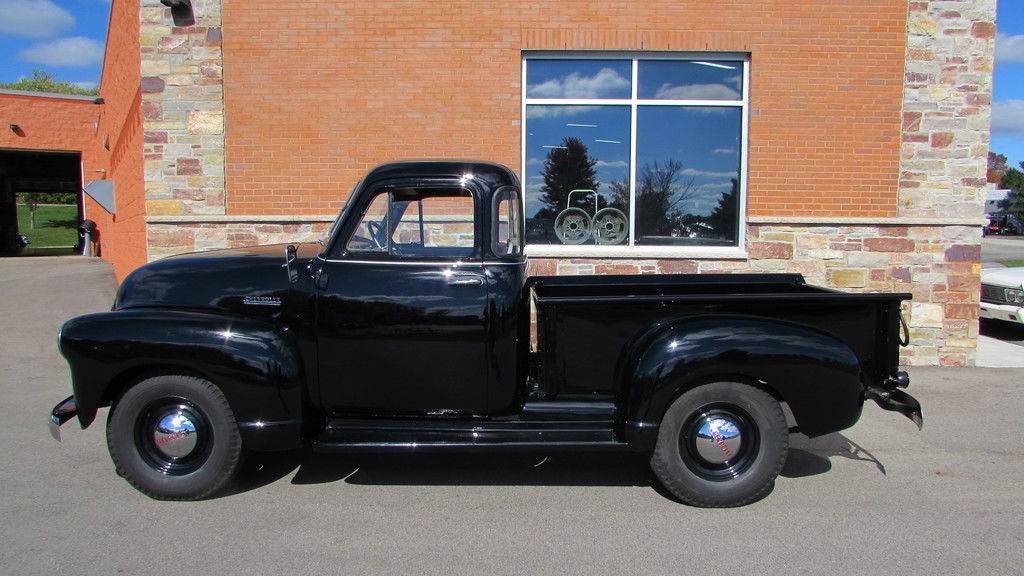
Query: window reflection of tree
[[664, 201]]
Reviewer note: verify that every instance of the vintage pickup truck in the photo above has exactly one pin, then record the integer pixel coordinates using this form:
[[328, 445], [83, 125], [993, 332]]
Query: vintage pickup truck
[[411, 327]]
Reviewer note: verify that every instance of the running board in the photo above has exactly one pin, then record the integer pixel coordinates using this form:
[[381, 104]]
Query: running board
[[343, 435]]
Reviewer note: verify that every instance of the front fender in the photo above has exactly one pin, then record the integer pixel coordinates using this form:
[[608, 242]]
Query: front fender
[[254, 363], [818, 375]]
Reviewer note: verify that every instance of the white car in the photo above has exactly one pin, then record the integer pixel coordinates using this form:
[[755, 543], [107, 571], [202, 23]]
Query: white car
[[1002, 294]]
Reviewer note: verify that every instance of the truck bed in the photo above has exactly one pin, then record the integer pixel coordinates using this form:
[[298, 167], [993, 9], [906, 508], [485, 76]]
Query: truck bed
[[586, 324]]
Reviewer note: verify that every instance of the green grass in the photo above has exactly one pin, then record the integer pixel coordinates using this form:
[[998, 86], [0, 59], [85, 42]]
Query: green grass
[[55, 225], [1013, 263]]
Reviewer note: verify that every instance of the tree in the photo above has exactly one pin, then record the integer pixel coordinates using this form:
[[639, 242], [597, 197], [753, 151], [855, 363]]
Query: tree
[[43, 81], [1013, 180], [32, 200], [567, 168], [996, 167], [661, 192], [723, 218]]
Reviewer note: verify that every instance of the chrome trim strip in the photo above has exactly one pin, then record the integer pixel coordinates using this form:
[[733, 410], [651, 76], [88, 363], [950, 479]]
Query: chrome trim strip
[[457, 264]]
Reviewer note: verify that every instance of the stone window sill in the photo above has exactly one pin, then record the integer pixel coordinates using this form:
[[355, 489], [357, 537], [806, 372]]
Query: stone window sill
[[634, 252]]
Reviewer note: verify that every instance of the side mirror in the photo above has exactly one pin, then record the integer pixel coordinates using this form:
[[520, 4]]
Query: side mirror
[[289, 263]]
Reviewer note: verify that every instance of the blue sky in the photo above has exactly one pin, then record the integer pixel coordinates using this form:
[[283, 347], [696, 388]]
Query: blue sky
[[1008, 83], [65, 37]]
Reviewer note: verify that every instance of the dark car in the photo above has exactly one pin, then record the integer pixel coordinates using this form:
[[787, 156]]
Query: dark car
[[409, 329], [1002, 224]]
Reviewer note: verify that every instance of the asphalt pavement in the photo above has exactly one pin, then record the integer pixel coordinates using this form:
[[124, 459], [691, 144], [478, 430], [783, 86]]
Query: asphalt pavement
[[880, 498], [996, 249]]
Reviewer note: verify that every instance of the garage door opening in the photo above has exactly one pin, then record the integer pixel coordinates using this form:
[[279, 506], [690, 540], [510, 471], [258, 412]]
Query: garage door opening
[[40, 202]]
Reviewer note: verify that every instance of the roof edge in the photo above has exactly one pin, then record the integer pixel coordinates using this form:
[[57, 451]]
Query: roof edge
[[54, 95]]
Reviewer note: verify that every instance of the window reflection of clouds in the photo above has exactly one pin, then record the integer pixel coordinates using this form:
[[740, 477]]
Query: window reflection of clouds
[[696, 92], [578, 79], [680, 80]]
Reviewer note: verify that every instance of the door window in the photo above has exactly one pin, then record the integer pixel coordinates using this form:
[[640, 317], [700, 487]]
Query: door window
[[415, 223]]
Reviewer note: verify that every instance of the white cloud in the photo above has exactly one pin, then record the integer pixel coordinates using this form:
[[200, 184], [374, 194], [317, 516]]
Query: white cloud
[[715, 186], [1009, 49], [696, 92], [574, 85], [706, 174], [1008, 117], [724, 150], [612, 164], [533, 111], [33, 19], [74, 51]]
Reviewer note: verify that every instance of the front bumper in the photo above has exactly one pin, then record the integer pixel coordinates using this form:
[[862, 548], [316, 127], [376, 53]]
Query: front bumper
[[1007, 312], [890, 397], [62, 412]]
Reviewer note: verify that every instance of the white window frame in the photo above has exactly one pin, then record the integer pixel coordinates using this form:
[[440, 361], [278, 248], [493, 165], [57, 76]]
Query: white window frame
[[631, 250]]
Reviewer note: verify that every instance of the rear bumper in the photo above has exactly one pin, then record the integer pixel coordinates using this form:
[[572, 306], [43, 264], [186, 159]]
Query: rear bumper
[[1007, 312], [61, 413], [890, 397]]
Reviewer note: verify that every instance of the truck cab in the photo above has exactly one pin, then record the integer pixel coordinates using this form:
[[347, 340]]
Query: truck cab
[[414, 325]]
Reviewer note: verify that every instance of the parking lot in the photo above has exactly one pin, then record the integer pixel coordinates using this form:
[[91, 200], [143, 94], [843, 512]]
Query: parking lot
[[878, 498]]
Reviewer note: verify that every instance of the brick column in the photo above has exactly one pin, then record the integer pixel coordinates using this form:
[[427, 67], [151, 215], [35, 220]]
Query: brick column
[[183, 117]]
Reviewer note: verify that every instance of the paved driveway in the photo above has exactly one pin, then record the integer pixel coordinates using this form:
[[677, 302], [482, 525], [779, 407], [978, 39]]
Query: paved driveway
[[881, 498]]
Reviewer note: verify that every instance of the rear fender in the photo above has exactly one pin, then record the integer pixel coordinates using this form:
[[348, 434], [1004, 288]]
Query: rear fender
[[818, 375], [254, 363]]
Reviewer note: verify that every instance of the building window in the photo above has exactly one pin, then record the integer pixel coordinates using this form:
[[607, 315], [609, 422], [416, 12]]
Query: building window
[[631, 153]]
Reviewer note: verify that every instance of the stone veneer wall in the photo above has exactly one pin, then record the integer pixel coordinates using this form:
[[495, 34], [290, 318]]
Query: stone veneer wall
[[183, 117], [931, 248]]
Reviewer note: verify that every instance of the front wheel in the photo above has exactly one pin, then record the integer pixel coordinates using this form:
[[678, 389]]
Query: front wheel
[[174, 438], [721, 445]]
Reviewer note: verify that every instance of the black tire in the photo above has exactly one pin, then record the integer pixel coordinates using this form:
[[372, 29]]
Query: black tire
[[138, 445], [751, 456]]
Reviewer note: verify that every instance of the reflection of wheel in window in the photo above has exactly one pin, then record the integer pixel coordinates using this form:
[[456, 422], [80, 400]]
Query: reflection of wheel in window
[[573, 226], [610, 226]]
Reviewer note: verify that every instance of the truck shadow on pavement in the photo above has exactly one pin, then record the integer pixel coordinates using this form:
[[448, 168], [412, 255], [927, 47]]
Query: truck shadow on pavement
[[807, 457]]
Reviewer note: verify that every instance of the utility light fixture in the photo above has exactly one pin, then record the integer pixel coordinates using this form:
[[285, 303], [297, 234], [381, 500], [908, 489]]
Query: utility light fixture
[[181, 12]]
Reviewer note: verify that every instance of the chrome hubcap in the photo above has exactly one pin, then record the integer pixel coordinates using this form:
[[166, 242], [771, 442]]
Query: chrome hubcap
[[718, 439], [175, 434]]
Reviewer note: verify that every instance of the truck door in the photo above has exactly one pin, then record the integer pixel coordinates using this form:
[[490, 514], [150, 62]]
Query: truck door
[[401, 324]]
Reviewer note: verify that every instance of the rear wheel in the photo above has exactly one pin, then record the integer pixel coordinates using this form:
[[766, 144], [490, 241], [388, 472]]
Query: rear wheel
[[721, 444], [174, 438]]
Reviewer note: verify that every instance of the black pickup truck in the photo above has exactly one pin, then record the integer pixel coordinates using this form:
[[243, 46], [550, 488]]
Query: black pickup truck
[[414, 326]]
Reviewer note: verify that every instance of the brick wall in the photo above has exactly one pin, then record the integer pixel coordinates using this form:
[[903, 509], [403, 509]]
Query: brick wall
[[52, 124], [319, 92], [123, 235]]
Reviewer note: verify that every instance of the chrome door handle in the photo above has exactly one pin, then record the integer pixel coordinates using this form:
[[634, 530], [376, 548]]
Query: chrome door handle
[[465, 280]]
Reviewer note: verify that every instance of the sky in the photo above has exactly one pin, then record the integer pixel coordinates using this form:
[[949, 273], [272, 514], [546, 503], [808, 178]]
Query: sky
[[1008, 83], [65, 37]]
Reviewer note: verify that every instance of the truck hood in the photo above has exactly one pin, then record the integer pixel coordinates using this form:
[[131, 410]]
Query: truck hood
[[251, 281], [1003, 277]]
